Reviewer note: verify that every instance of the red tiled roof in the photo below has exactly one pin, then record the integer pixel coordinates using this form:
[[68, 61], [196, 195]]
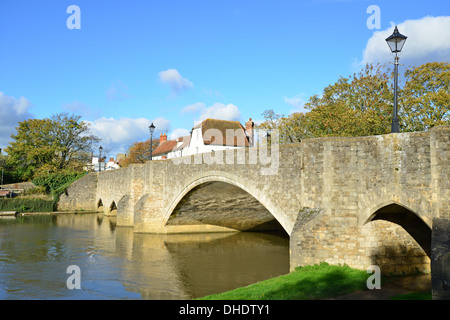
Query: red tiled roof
[[165, 147], [185, 142]]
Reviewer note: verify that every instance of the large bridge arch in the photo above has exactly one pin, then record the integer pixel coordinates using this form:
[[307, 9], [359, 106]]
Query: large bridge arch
[[370, 211], [211, 177], [400, 237]]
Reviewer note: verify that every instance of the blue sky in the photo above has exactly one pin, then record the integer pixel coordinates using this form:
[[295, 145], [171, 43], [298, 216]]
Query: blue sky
[[177, 62]]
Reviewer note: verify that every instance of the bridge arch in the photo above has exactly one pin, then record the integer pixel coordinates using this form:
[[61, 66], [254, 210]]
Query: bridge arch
[[113, 208], [409, 220], [99, 205], [370, 212], [231, 179], [399, 238]]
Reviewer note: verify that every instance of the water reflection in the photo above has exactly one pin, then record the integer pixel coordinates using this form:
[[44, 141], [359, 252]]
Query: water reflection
[[116, 263]]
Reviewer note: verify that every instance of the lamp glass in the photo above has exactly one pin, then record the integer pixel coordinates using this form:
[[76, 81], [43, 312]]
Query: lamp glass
[[396, 41], [151, 128]]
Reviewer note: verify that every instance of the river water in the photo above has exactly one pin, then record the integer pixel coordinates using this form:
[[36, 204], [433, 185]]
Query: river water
[[115, 263]]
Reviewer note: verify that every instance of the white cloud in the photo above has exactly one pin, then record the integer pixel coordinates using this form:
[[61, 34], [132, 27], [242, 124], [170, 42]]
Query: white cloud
[[194, 107], [297, 102], [180, 132], [12, 111], [118, 134], [174, 80], [220, 111], [82, 109], [216, 111], [428, 40]]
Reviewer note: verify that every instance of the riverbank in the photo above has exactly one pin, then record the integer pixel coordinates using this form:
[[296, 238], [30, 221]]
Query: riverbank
[[16, 213], [327, 282]]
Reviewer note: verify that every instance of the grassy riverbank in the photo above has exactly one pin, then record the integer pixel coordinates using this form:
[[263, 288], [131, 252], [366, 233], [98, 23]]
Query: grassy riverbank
[[306, 283], [316, 282], [22, 205]]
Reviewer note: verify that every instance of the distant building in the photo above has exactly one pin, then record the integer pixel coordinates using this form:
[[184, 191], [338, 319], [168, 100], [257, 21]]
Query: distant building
[[209, 135], [112, 164]]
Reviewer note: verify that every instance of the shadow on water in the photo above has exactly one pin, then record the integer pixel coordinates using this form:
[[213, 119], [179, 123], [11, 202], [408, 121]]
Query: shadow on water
[[227, 262]]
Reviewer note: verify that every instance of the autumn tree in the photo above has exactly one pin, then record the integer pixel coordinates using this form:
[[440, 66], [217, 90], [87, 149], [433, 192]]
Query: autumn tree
[[139, 152], [291, 129], [43, 146], [425, 98]]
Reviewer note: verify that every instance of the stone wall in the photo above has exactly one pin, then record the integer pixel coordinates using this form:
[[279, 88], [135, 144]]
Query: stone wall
[[80, 195], [168, 182], [351, 182]]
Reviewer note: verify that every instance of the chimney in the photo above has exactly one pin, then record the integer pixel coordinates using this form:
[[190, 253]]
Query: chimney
[[162, 138], [249, 127]]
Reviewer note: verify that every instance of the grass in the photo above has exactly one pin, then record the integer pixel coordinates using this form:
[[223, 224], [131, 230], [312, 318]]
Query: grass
[[27, 205], [313, 282]]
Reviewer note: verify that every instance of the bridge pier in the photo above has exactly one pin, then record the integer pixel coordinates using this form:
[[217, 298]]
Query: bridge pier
[[324, 235], [440, 259]]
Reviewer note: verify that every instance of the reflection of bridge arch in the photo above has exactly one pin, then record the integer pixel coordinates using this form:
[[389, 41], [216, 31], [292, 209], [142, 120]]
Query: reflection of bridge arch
[[208, 177]]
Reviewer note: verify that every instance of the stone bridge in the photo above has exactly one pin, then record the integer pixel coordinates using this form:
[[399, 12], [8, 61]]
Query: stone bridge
[[378, 200]]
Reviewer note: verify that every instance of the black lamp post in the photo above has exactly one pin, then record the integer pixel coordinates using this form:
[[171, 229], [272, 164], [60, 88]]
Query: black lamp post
[[151, 128], [100, 158], [395, 42]]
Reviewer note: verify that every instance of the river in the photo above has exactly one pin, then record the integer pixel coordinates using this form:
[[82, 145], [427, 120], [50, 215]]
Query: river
[[115, 263]]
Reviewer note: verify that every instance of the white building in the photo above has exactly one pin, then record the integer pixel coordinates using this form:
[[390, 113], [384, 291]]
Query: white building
[[111, 164], [102, 166], [210, 135]]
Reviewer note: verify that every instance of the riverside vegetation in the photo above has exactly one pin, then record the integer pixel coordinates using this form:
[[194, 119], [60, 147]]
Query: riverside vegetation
[[44, 197], [313, 282]]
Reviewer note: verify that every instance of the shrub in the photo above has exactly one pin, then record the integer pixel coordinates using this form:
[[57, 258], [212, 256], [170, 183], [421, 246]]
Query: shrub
[[56, 183], [27, 205]]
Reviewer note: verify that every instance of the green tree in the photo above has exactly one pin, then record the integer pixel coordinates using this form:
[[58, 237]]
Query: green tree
[[43, 146], [425, 98], [360, 105]]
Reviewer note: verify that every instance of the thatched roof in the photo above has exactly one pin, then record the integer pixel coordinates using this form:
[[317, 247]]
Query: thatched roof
[[214, 132], [223, 133]]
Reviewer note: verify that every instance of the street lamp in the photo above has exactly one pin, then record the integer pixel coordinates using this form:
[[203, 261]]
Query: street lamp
[[395, 42], [151, 128], [100, 158]]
